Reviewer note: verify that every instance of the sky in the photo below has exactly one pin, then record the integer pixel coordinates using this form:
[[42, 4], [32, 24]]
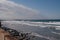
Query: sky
[[29, 9]]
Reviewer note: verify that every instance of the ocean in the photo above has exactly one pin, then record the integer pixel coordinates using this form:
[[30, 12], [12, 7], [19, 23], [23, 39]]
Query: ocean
[[42, 29]]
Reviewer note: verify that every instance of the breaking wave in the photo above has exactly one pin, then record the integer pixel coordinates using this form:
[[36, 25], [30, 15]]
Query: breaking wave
[[38, 29], [29, 23]]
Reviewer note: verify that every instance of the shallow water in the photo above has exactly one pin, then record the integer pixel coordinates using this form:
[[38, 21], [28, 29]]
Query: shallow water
[[39, 29]]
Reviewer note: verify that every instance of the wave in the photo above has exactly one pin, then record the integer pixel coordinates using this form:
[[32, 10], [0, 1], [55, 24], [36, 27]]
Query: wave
[[39, 29], [40, 24]]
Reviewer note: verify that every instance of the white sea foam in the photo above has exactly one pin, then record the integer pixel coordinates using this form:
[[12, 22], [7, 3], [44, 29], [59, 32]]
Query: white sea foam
[[40, 24], [41, 36], [31, 26]]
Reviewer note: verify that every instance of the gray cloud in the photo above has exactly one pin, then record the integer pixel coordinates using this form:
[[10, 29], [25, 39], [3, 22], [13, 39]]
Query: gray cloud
[[12, 10]]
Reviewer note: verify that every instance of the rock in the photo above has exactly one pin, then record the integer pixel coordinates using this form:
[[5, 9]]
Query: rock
[[6, 35]]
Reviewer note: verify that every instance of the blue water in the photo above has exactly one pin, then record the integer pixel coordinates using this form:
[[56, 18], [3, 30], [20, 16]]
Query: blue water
[[41, 20], [42, 30]]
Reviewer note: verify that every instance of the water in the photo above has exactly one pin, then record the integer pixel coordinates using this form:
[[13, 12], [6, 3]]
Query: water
[[42, 30]]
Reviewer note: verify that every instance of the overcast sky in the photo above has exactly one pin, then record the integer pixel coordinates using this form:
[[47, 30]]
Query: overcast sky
[[29, 9]]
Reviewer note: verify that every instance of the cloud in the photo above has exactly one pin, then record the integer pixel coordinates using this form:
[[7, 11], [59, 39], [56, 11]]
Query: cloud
[[2, 1], [12, 10]]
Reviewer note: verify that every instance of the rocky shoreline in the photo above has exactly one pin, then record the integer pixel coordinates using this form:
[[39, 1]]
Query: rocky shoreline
[[15, 35], [11, 34]]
